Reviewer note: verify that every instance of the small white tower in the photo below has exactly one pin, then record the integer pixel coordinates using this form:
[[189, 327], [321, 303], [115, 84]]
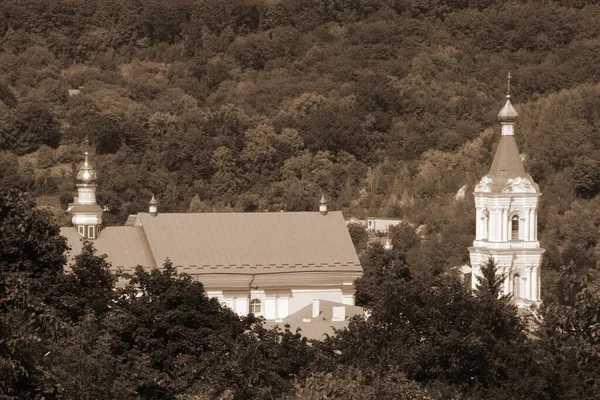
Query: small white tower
[[153, 206], [323, 205], [87, 214], [506, 201], [388, 244]]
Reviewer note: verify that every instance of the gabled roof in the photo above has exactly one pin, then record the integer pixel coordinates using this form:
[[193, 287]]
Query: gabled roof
[[231, 243], [126, 247], [251, 242]]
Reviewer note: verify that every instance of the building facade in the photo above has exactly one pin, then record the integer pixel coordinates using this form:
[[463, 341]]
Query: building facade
[[271, 264], [506, 202]]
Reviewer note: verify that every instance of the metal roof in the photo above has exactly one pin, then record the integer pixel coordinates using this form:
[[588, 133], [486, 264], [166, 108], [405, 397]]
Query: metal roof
[[251, 242], [508, 112], [507, 160], [230, 243], [126, 247]]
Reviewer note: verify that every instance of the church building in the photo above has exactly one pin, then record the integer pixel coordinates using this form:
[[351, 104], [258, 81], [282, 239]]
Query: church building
[[270, 264], [506, 202]]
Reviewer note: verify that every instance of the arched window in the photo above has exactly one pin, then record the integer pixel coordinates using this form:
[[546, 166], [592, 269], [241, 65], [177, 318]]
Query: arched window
[[515, 227], [255, 307]]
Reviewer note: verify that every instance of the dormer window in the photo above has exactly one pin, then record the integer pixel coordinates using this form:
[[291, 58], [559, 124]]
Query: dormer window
[[514, 228]]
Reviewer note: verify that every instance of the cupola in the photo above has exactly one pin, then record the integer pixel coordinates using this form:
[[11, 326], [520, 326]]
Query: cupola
[[153, 206], [323, 205], [87, 214]]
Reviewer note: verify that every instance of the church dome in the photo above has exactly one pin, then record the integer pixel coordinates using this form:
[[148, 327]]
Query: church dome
[[508, 112], [86, 173]]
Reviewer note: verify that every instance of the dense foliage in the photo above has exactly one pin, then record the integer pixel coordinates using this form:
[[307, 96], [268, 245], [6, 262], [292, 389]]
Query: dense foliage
[[82, 332], [385, 106]]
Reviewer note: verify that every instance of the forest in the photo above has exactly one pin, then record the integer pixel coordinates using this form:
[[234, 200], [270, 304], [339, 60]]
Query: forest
[[388, 107]]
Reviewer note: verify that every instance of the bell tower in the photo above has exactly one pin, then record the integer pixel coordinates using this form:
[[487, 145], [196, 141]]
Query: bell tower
[[506, 201], [87, 214]]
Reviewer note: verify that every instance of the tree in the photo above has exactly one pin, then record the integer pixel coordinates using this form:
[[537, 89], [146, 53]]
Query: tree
[[359, 237], [168, 333], [489, 283], [32, 257], [35, 126], [435, 331], [88, 288]]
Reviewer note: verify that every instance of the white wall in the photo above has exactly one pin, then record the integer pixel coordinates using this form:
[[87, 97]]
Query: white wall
[[282, 303]]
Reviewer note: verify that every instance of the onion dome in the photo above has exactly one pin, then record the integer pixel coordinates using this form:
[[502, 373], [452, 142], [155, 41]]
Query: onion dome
[[153, 201], [323, 200], [86, 174], [508, 113]]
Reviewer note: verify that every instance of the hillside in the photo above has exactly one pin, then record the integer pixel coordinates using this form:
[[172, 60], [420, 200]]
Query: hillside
[[386, 106]]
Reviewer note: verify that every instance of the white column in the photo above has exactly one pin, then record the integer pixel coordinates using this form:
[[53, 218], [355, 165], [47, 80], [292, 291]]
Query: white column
[[496, 228], [282, 307], [507, 281], [485, 226], [525, 225], [478, 224], [504, 225], [241, 306], [527, 293], [348, 298], [535, 223], [534, 284], [270, 308]]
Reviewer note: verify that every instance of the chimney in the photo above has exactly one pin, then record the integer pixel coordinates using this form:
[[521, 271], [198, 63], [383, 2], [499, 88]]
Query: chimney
[[323, 205], [316, 308], [153, 206], [339, 313]]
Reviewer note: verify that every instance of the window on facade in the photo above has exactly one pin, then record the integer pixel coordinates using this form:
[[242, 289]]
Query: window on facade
[[91, 232], [255, 307], [515, 228], [81, 230]]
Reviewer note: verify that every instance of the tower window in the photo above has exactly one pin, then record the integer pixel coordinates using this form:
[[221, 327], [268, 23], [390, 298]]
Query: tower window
[[515, 227], [81, 230], [255, 307]]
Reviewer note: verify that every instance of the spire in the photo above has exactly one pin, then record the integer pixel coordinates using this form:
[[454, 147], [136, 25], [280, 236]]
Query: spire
[[323, 205], [507, 165], [507, 162], [507, 115], [153, 206]]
